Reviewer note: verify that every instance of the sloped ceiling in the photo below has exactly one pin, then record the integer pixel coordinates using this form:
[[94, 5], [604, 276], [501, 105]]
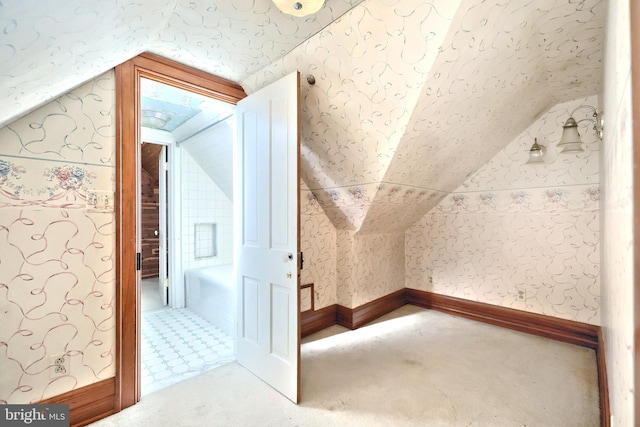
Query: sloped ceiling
[[410, 96]]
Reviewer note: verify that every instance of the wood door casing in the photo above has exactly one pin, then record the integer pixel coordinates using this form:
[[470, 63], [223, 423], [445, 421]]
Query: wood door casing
[[128, 206]]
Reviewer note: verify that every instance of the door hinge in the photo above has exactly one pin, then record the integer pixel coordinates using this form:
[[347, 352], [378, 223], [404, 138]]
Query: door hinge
[[138, 261], [301, 261]]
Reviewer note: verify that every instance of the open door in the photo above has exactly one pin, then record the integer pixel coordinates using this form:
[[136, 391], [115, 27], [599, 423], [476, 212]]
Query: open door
[[266, 198], [163, 273]]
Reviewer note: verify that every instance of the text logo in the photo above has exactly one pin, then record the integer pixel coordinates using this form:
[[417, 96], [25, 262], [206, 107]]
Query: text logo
[[34, 415]]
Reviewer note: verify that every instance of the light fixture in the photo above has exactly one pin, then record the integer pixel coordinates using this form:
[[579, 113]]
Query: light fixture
[[299, 8], [570, 141], [154, 119], [536, 153]]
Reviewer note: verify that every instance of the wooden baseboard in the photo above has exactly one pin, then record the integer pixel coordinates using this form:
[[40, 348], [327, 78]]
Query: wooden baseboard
[[88, 404], [344, 316], [314, 321], [603, 383], [353, 318], [568, 331]]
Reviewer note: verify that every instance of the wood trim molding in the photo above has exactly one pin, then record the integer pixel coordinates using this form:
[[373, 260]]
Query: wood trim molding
[[311, 288], [353, 318], [603, 382], [568, 331], [128, 74], [173, 73], [314, 321], [88, 404], [127, 244]]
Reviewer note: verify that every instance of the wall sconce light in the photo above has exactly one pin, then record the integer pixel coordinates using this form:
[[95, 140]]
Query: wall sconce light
[[536, 153], [298, 8], [570, 141]]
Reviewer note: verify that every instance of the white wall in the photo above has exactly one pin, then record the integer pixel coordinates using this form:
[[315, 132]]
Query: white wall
[[203, 201], [617, 216]]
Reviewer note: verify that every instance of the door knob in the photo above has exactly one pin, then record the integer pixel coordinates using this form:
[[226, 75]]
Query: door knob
[[289, 275], [290, 256]]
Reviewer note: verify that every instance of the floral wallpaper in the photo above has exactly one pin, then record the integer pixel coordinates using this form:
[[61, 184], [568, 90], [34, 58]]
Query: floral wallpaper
[[347, 268], [525, 236], [370, 266], [618, 219], [57, 244], [404, 90], [318, 244]]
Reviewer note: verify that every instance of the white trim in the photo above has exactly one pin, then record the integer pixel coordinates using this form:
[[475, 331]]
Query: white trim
[[156, 136], [177, 298]]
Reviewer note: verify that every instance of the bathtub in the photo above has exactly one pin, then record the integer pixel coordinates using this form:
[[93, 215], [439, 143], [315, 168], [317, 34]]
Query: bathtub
[[211, 294]]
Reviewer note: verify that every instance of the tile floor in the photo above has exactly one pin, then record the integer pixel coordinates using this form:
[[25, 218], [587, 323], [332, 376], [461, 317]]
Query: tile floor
[[150, 294], [178, 344]]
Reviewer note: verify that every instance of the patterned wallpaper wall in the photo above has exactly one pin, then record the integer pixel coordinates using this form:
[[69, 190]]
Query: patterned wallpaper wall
[[346, 268], [318, 243], [618, 217], [406, 90], [49, 47], [515, 229], [370, 266], [57, 244]]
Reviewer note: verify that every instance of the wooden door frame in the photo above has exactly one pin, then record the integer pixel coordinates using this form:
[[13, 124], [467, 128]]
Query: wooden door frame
[[127, 152]]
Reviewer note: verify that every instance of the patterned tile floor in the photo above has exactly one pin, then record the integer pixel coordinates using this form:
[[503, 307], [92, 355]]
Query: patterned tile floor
[[178, 344]]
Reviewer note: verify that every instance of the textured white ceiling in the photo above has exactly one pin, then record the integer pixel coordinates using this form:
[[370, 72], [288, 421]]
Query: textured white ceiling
[[410, 94], [48, 47]]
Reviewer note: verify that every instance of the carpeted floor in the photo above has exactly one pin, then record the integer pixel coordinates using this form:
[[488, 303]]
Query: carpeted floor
[[414, 367]]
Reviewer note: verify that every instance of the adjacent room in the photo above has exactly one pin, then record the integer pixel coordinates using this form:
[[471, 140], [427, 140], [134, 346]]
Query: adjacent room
[[186, 290]]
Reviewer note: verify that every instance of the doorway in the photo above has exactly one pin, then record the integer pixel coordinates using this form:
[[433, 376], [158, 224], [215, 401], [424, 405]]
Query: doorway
[[153, 196], [128, 246], [267, 211], [186, 233]]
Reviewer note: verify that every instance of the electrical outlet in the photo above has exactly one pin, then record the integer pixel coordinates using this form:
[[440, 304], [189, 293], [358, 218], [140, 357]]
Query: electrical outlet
[[522, 295], [59, 366], [431, 280]]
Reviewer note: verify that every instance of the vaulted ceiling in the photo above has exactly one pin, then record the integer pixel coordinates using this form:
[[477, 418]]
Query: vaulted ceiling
[[410, 96]]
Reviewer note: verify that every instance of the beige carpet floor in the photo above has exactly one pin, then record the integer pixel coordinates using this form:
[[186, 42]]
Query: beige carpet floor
[[414, 367]]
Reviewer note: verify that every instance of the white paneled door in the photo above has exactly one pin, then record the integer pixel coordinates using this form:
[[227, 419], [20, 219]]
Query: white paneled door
[[266, 196]]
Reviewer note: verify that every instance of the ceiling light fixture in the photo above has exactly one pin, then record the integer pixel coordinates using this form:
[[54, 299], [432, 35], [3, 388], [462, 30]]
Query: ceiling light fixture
[[299, 8], [570, 141], [536, 153], [154, 119]]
